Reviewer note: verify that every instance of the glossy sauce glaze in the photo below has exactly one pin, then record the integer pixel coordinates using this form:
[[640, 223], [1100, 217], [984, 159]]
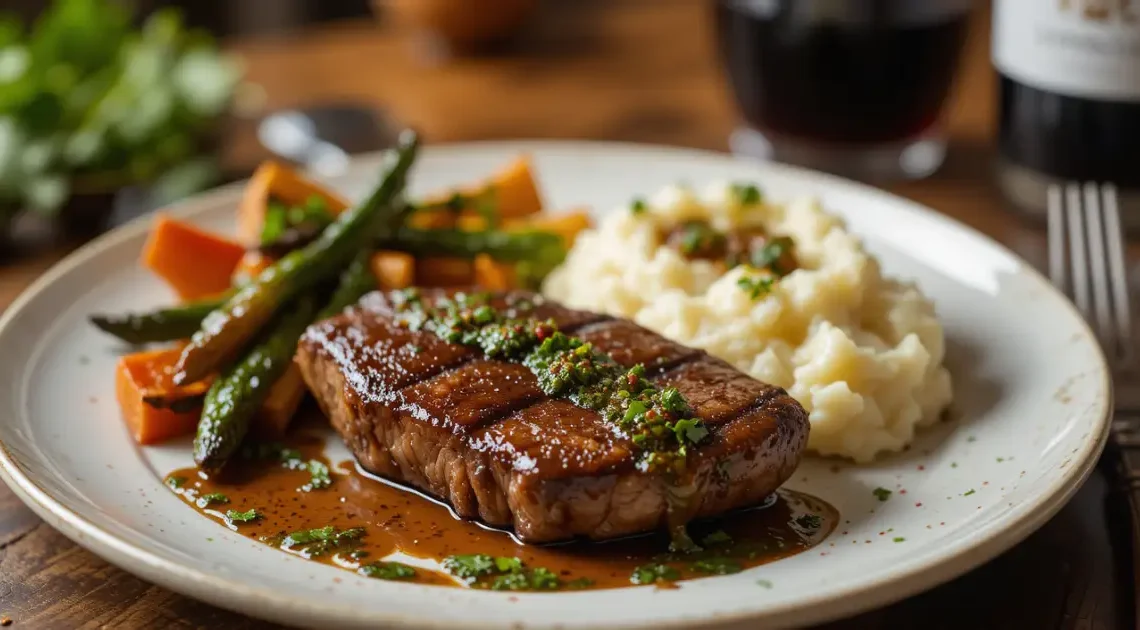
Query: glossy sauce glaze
[[353, 520]]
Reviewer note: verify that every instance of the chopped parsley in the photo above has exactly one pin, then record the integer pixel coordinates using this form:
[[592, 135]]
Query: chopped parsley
[[746, 194], [653, 573], [242, 517], [899, 539], [322, 541], [176, 482], [638, 206], [717, 566], [808, 522], [953, 464], [770, 255], [214, 498], [579, 583], [764, 583], [320, 477], [505, 573], [881, 493], [968, 492], [719, 537], [469, 566], [387, 571], [755, 286]]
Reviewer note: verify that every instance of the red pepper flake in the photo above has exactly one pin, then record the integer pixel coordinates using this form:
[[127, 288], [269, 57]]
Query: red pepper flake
[[903, 491], [943, 523], [921, 467], [919, 504], [985, 483]]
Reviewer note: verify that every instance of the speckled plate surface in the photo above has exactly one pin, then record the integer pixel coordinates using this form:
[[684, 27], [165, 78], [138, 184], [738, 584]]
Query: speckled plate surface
[[1029, 422]]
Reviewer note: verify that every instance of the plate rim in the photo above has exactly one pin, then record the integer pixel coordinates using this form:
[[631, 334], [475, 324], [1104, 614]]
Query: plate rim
[[953, 561]]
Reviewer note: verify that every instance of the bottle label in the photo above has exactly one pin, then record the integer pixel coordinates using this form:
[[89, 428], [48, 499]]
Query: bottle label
[[1083, 48]]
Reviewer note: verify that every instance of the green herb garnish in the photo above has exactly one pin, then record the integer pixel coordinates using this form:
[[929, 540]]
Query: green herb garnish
[[969, 492], [881, 494], [242, 517], [768, 257], [176, 482], [214, 498], [808, 522], [764, 583], [638, 206], [899, 539], [321, 541], [653, 573], [755, 286], [746, 194], [579, 583], [469, 566], [387, 571], [717, 566]]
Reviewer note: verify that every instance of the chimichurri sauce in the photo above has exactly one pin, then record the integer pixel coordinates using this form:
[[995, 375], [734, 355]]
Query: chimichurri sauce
[[290, 497]]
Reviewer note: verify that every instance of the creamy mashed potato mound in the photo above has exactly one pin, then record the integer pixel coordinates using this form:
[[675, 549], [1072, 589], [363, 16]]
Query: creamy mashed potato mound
[[861, 352]]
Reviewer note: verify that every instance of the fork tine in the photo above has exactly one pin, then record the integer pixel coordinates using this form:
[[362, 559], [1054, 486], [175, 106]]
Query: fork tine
[[1114, 239], [1099, 278], [1056, 234], [1077, 254]]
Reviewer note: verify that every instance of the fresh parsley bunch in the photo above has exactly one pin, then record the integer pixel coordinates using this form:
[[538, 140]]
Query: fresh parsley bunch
[[90, 104]]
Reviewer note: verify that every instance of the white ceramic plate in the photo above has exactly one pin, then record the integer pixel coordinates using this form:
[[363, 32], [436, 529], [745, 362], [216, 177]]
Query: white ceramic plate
[[1031, 408]]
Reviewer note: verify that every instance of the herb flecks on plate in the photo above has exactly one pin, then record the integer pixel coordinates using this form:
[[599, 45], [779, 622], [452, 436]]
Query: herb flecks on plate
[[505, 574]]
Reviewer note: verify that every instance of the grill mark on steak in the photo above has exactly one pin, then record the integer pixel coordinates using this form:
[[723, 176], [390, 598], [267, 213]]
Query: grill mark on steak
[[480, 434]]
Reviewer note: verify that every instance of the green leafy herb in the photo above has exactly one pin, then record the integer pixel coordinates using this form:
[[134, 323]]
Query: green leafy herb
[[638, 206], [275, 223], [88, 102], [764, 583], [769, 256], [242, 517], [969, 492], [579, 583], [881, 494], [717, 566], [719, 537], [543, 579], [899, 539], [387, 571], [746, 194], [699, 238], [653, 573], [755, 286], [176, 482], [312, 543], [508, 565], [320, 475], [469, 566], [214, 498], [808, 522]]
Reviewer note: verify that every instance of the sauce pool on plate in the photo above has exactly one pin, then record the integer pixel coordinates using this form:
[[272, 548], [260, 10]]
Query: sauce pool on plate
[[288, 496]]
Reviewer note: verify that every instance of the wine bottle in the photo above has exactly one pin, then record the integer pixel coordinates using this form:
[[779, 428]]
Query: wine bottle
[[1069, 73]]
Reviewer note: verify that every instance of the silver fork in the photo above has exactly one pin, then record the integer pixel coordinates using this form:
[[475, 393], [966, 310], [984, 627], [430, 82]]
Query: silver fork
[[1086, 261]]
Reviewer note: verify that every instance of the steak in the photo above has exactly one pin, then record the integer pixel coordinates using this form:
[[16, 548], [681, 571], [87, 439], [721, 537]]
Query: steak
[[481, 434]]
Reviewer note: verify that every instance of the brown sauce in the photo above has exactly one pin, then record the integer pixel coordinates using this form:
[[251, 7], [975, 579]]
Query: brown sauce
[[394, 518]]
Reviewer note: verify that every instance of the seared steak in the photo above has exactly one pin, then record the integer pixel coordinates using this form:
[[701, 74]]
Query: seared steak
[[482, 435]]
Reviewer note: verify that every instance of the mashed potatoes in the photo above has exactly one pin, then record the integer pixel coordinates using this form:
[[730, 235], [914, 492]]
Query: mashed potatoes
[[861, 352]]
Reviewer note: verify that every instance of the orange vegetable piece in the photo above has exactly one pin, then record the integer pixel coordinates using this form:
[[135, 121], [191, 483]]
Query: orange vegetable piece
[[280, 405], [567, 225], [195, 263], [493, 275], [513, 190], [439, 271], [393, 270], [276, 180], [146, 375]]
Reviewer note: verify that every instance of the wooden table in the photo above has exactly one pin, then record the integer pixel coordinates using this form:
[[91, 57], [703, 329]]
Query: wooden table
[[636, 70]]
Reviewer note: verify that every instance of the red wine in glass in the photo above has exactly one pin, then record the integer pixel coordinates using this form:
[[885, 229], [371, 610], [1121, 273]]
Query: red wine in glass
[[851, 86]]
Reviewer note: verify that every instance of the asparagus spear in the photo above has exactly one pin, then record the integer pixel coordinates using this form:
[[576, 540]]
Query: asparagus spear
[[226, 330], [236, 396], [505, 246], [239, 391], [163, 325]]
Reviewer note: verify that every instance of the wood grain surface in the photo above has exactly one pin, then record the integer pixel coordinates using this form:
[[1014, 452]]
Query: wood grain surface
[[635, 70]]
